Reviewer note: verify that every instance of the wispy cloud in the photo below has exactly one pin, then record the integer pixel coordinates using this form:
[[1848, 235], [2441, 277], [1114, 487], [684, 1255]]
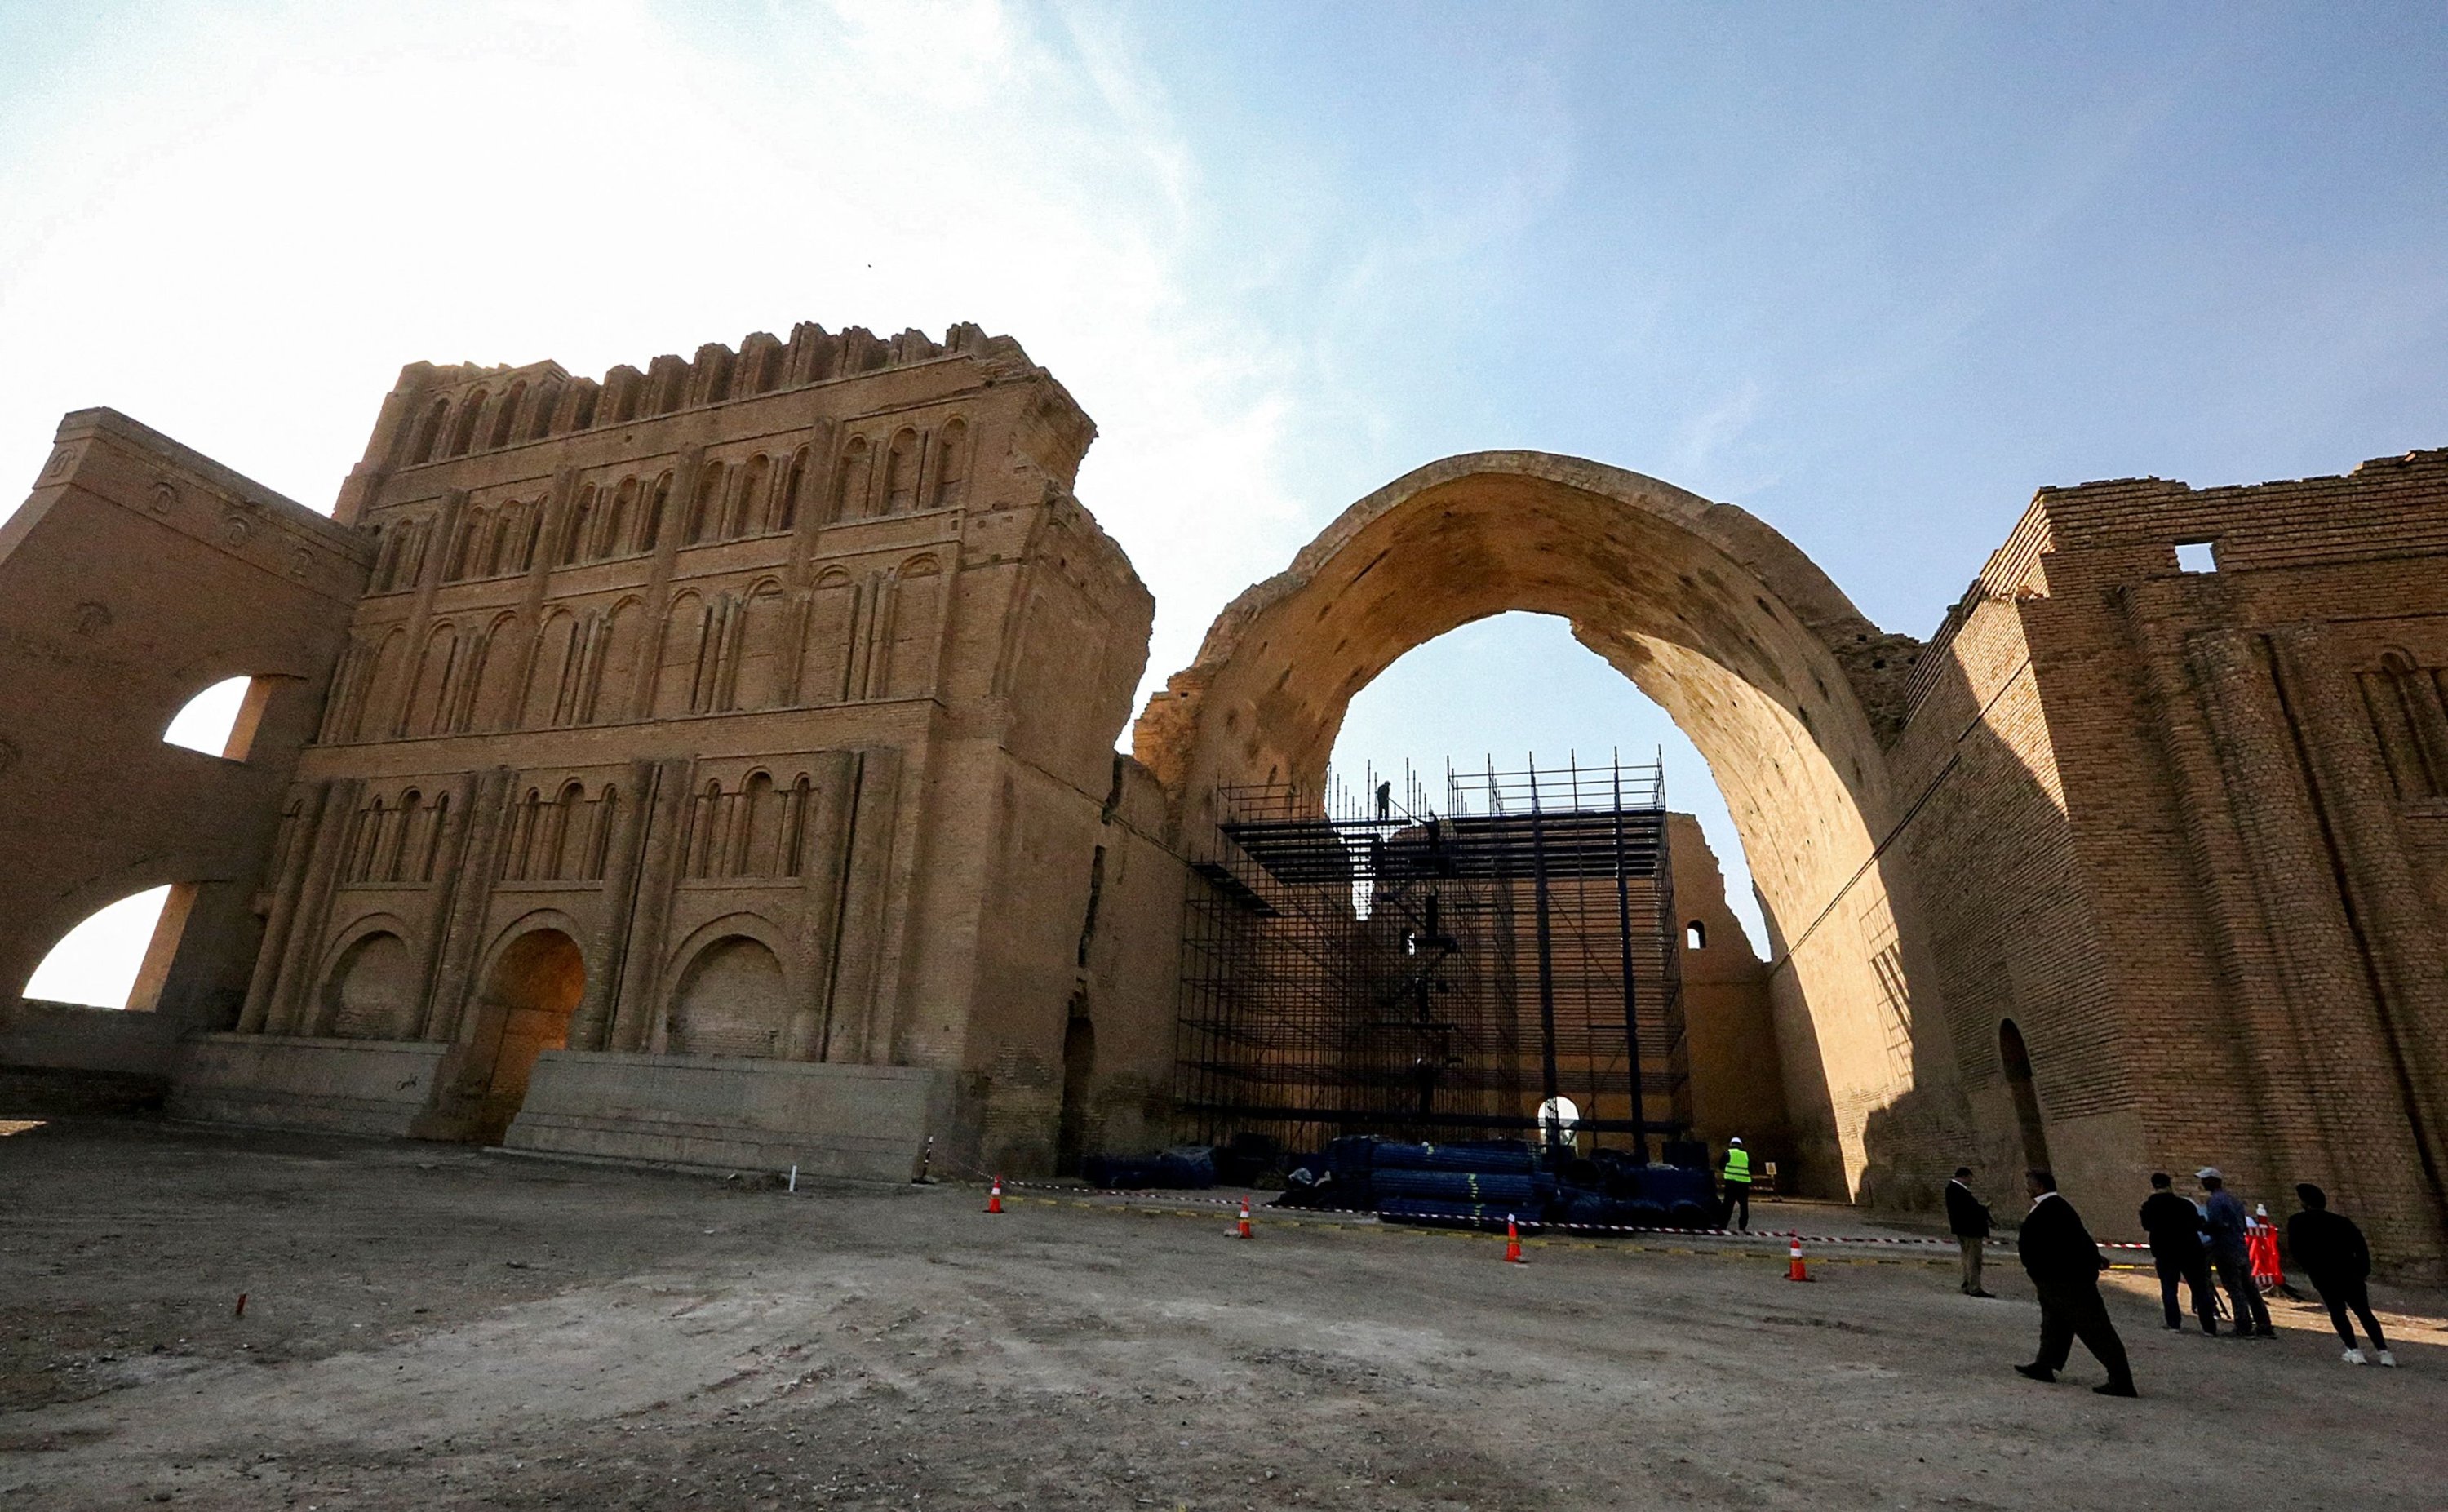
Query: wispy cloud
[[240, 230]]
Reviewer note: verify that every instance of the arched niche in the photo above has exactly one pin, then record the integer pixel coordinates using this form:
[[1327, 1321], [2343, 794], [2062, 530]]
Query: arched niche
[[370, 991], [730, 999], [1759, 659]]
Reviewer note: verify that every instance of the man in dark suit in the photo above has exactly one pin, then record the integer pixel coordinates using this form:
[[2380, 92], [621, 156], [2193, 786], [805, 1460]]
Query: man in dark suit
[[2176, 1229], [2064, 1264], [1967, 1217]]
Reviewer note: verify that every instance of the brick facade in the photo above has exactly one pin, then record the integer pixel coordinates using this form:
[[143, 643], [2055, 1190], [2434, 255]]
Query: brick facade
[[2199, 816], [731, 739]]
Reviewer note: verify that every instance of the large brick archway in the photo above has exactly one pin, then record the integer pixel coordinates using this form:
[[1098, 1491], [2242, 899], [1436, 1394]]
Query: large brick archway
[[1776, 678]]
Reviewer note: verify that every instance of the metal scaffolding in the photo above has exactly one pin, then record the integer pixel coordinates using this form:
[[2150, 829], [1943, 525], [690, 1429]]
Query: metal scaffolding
[[1363, 963]]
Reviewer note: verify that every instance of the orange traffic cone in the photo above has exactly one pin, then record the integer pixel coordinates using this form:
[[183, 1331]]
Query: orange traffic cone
[[1241, 1230], [1511, 1241], [994, 1197], [1793, 1261]]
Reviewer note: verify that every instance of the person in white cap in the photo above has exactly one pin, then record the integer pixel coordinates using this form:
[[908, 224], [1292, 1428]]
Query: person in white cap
[[1739, 1184], [2223, 1215]]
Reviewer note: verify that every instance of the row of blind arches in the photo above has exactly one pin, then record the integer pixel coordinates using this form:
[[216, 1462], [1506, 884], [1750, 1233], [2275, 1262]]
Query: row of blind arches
[[628, 519], [755, 829], [735, 651], [732, 997]]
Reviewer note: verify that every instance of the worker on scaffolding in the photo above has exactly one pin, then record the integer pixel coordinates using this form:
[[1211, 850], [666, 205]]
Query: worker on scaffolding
[[1737, 1176]]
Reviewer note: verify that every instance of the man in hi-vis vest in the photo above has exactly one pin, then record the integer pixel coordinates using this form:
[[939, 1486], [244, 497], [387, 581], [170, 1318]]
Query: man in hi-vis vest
[[1739, 1184]]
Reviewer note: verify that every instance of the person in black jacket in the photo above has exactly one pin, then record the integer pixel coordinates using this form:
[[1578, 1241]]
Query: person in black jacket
[[2331, 1250], [2176, 1229], [1967, 1217], [2064, 1264]]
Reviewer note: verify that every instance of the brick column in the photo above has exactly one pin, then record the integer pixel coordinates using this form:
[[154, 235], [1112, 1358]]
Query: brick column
[[2386, 909], [2249, 983], [480, 863], [272, 952], [634, 1010], [626, 852], [2355, 1140], [861, 1019], [824, 873], [450, 851], [287, 1012]]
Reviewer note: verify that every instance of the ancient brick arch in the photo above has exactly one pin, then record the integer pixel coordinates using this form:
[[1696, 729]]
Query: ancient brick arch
[[1777, 678]]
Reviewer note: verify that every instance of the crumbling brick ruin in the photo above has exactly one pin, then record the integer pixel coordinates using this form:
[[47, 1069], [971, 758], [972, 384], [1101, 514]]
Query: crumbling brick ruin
[[716, 765]]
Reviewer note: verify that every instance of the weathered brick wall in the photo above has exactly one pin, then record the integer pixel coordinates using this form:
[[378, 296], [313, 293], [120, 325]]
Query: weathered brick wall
[[2193, 824]]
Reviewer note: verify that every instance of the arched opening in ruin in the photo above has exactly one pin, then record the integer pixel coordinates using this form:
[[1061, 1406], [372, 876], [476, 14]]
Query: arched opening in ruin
[[222, 719], [532, 991], [1516, 691], [1753, 652], [119, 955], [2017, 1060]]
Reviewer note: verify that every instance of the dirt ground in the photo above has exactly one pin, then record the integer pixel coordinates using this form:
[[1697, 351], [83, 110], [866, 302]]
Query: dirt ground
[[430, 1326]]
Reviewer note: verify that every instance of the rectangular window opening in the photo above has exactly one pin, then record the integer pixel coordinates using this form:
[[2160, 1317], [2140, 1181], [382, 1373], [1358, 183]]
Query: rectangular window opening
[[2196, 556]]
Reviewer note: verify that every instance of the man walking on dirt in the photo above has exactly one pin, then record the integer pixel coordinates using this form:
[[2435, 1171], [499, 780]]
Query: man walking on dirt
[[1968, 1217], [2176, 1229], [2064, 1264], [2331, 1250]]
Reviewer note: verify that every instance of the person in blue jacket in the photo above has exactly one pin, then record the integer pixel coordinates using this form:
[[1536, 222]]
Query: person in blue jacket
[[2223, 1215]]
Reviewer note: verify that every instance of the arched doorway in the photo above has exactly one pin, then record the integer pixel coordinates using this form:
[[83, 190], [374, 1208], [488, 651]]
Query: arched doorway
[[1757, 656], [2017, 1060], [530, 995]]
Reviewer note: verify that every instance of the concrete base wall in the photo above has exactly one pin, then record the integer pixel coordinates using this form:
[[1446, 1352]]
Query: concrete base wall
[[349, 1086], [71, 1036], [868, 1122]]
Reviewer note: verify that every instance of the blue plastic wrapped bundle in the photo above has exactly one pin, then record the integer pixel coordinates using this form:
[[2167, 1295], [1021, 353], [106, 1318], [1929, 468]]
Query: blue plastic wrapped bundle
[[1493, 1157], [1189, 1165], [1456, 1186], [1671, 1184], [1462, 1214], [1184, 1166], [1642, 1214], [1570, 1206], [1612, 1212], [1123, 1173], [1354, 1155], [1351, 1161]]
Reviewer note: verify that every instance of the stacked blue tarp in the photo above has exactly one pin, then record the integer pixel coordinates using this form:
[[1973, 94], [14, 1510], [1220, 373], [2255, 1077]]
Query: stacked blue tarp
[[1625, 1195], [1478, 1184], [1184, 1166]]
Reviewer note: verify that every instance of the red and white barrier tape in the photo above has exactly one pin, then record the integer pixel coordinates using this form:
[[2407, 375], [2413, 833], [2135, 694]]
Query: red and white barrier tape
[[1176, 1196]]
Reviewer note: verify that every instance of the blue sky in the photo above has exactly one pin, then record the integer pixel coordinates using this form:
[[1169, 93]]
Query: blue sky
[[1874, 272]]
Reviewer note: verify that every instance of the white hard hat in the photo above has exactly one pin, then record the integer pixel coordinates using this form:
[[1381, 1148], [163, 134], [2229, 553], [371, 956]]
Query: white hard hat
[[1736, 1139], [2208, 1173]]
